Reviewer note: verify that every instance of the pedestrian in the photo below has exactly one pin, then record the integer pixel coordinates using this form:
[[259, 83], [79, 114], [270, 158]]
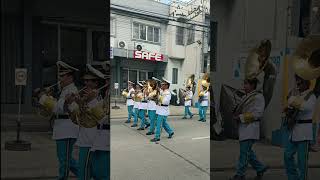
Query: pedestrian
[[128, 95], [204, 96], [143, 107], [136, 104], [301, 130], [248, 115], [65, 133], [163, 111], [152, 95], [187, 102]]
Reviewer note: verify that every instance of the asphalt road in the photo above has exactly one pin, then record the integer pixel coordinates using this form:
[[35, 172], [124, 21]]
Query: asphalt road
[[184, 157]]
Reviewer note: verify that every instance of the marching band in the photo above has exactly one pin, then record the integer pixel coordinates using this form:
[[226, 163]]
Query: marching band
[[82, 119]]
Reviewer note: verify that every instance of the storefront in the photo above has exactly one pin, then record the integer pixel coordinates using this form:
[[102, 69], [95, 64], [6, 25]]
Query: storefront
[[135, 68]]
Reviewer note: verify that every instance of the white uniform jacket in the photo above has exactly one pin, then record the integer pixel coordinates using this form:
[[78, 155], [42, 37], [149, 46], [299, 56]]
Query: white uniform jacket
[[144, 103], [189, 96], [303, 131], [251, 115], [205, 100], [102, 138], [64, 128], [87, 135], [130, 102], [163, 108]]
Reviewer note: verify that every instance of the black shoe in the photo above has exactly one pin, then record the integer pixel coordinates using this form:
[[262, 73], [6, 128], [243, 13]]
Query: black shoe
[[127, 122], [236, 177], [203, 121], [154, 140], [134, 125], [147, 125], [191, 116], [170, 135], [261, 173], [140, 129], [150, 133], [200, 120], [184, 117]]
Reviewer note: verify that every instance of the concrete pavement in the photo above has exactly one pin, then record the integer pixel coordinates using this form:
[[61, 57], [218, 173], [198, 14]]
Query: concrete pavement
[[184, 157]]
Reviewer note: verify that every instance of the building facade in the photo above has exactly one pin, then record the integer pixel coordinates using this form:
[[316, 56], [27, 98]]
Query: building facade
[[36, 34], [174, 45], [241, 25]]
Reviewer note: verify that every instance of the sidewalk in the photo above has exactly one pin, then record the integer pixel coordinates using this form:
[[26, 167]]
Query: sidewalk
[[41, 161], [174, 111], [225, 155]]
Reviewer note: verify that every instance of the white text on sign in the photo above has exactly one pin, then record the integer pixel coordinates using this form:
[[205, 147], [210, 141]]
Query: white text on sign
[[148, 56]]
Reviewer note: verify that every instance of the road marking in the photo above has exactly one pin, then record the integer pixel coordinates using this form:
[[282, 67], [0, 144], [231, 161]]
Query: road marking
[[197, 138]]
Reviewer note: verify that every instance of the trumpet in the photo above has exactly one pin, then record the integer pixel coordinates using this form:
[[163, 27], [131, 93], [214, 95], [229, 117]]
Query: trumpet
[[44, 101]]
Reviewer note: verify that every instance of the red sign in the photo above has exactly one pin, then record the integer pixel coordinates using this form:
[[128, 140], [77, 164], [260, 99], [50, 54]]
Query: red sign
[[148, 56]]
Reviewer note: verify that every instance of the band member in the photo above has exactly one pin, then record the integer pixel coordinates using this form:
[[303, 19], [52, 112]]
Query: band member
[[204, 96], [269, 70], [86, 135], [64, 131], [137, 96], [301, 131], [187, 103], [143, 107], [100, 151], [163, 111], [130, 102], [152, 94], [248, 114]]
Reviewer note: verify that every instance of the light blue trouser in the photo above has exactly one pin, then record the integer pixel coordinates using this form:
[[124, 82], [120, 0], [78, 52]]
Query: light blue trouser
[[301, 148], [85, 170], [248, 156], [203, 112], [135, 115], [101, 165], [152, 117], [314, 133], [187, 111], [142, 113], [162, 121], [66, 162], [130, 112]]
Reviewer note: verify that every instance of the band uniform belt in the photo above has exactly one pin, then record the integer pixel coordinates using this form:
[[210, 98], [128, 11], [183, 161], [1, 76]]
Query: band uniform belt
[[103, 127], [62, 116], [144, 101], [304, 121], [129, 98], [164, 105]]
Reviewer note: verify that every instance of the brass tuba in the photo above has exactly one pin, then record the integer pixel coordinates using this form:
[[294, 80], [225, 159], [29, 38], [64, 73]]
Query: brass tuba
[[257, 59], [305, 60], [205, 82]]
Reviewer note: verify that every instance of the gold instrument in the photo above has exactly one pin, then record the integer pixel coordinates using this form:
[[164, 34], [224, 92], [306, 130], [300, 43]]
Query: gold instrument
[[257, 59], [189, 83], [306, 58], [44, 100], [153, 91], [205, 82], [85, 116], [125, 93]]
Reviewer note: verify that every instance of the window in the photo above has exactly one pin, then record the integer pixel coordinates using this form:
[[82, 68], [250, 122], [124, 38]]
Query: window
[[156, 35], [150, 75], [180, 36], [99, 46], [191, 33], [113, 27], [174, 75], [135, 31], [150, 33], [142, 76], [146, 33], [143, 35]]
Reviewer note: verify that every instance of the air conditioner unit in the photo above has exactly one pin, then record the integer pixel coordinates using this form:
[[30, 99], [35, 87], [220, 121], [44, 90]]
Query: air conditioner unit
[[147, 47], [122, 44]]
